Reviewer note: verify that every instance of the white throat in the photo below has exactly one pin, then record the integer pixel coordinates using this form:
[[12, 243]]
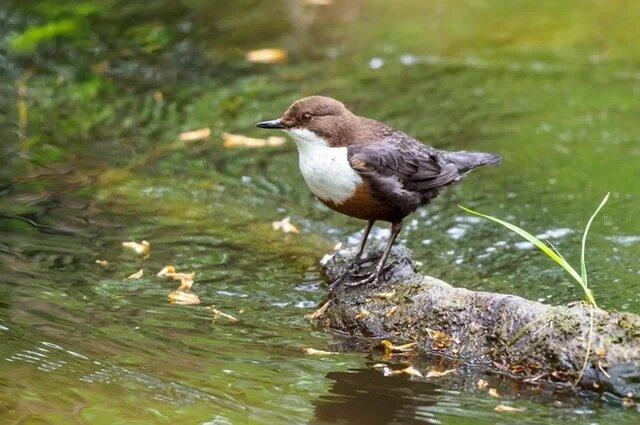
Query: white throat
[[325, 169]]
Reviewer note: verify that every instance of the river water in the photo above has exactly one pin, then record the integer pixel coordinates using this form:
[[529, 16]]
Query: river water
[[93, 96]]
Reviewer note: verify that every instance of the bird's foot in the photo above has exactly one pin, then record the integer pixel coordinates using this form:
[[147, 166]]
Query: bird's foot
[[372, 278], [352, 268]]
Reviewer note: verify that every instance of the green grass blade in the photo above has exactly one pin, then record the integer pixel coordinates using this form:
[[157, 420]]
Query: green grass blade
[[583, 264], [542, 247]]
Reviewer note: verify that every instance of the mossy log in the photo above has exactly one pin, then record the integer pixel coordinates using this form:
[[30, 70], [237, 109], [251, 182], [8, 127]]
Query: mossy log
[[509, 334]]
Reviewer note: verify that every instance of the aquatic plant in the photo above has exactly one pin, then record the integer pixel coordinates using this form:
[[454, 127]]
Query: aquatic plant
[[552, 252]]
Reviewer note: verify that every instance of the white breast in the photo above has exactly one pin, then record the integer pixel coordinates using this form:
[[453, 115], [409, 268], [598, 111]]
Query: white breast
[[325, 169]]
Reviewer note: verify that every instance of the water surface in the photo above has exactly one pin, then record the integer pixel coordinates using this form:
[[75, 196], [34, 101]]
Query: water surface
[[92, 98]]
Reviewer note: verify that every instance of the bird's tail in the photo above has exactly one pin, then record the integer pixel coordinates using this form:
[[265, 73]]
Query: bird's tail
[[467, 161]]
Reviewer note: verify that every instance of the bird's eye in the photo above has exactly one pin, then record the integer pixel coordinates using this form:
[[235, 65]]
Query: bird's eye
[[306, 116]]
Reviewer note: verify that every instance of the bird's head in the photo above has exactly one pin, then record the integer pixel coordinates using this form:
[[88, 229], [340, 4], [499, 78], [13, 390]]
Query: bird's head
[[316, 119]]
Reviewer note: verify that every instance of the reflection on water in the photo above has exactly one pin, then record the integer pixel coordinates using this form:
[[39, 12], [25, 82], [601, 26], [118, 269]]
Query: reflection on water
[[92, 98]]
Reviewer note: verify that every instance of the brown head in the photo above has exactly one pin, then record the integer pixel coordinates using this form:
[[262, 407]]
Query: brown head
[[322, 116]]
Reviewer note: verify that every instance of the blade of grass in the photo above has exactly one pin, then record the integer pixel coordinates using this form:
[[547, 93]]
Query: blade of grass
[[542, 247], [583, 264]]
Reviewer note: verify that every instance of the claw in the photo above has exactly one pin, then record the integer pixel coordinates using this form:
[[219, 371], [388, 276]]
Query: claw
[[351, 269]]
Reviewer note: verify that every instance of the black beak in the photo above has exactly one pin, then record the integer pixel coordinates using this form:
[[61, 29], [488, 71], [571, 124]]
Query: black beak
[[270, 124]]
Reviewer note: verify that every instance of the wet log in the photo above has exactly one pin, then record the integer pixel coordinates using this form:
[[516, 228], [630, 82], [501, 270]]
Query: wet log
[[509, 334]]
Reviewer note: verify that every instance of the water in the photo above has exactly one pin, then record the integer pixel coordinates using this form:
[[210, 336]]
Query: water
[[89, 123]]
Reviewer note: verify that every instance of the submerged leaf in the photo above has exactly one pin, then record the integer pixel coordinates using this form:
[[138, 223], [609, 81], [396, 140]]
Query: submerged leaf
[[314, 352], [136, 275], [267, 56], [166, 271], [502, 408], [285, 225], [195, 135], [183, 298], [142, 249], [238, 140], [217, 314], [102, 263]]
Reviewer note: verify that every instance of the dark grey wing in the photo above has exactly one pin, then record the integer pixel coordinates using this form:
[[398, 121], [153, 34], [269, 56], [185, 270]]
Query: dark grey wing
[[416, 167]]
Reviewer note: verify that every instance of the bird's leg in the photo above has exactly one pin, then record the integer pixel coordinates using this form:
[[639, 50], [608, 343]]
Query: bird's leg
[[375, 276], [354, 263]]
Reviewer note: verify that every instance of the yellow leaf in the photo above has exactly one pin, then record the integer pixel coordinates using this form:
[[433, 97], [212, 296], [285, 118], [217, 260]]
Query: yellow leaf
[[385, 295], [285, 225], [141, 249], [361, 314], [267, 56], [166, 271], [494, 393], [501, 408], [390, 348], [183, 298], [437, 374], [102, 263], [217, 314], [195, 135], [319, 312], [238, 140], [391, 311], [314, 352], [136, 275], [482, 384]]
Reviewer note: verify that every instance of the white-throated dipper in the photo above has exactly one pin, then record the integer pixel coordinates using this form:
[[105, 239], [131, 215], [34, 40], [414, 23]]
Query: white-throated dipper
[[366, 169]]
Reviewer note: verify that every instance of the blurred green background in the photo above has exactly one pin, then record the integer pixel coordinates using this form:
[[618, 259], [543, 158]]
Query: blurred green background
[[93, 97]]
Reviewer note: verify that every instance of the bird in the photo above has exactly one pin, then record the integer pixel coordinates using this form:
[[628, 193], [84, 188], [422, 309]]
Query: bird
[[368, 170]]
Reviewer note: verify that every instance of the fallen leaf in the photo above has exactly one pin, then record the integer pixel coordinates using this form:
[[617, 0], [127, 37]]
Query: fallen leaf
[[411, 371], [391, 311], [385, 295], [379, 365], [237, 140], [628, 402], [187, 282], [502, 408], [441, 340], [319, 2], [102, 263], [141, 249], [165, 271], [217, 314], [267, 56], [337, 246], [390, 348], [494, 393], [437, 374], [325, 259], [518, 369], [482, 384], [183, 298], [285, 225], [314, 352], [361, 314], [136, 275], [195, 135], [158, 96], [319, 312]]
